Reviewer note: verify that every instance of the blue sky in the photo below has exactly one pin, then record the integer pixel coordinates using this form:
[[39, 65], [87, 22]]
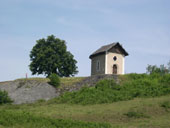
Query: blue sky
[[141, 26]]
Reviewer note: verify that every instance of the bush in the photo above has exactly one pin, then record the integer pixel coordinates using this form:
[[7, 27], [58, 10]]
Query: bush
[[4, 98], [54, 80]]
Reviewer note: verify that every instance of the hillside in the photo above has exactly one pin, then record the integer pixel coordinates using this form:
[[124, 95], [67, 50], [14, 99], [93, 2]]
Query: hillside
[[136, 113], [133, 101]]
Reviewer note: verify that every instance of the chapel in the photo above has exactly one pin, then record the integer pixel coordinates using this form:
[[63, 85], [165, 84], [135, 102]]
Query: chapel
[[109, 59]]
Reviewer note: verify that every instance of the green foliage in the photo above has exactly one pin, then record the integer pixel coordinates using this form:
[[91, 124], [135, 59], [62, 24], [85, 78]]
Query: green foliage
[[51, 56], [94, 95], [27, 120], [107, 91], [4, 98], [54, 80], [162, 69], [133, 114]]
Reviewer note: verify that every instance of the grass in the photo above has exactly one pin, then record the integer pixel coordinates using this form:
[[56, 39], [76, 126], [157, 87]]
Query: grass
[[133, 114], [145, 112], [69, 81], [13, 119], [65, 81], [39, 79]]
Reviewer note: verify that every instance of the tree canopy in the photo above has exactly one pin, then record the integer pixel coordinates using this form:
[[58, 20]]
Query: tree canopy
[[51, 56]]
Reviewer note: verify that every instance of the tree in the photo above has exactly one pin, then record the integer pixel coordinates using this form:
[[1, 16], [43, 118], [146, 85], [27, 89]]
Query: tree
[[51, 56], [151, 69], [154, 69], [168, 66]]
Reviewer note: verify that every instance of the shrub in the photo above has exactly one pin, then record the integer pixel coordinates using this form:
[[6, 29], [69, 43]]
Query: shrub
[[4, 98], [54, 80]]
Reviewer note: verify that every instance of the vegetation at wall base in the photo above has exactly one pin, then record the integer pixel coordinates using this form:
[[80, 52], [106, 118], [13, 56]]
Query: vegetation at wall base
[[4, 98], [107, 91], [54, 80]]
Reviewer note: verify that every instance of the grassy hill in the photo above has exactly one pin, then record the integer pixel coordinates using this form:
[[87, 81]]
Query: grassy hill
[[139, 112], [138, 101]]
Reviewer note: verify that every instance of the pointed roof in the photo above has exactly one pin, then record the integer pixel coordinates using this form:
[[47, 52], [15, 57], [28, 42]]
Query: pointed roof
[[105, 48]]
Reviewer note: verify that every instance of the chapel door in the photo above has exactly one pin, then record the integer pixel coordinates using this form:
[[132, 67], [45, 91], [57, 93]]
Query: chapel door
[[114, 69]]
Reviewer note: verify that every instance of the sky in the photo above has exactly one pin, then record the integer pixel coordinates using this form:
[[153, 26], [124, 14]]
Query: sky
[[141, 26]]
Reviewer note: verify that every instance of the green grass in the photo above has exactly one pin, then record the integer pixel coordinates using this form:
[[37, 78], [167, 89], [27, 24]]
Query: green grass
[[39, 79], [133, 114], [13, 119], [69, 81], [148, 114], [65, 81]]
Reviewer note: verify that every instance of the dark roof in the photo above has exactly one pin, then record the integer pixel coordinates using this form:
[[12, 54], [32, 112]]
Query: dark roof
[[105, 48]]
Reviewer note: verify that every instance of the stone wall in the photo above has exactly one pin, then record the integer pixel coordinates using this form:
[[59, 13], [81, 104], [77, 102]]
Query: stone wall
[[29, 91], [88, 81]]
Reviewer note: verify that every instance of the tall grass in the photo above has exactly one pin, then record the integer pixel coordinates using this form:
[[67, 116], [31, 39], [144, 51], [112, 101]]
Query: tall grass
[[107, 91]]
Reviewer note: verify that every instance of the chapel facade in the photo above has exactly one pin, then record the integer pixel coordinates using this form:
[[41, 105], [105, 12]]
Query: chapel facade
[[109, 59]]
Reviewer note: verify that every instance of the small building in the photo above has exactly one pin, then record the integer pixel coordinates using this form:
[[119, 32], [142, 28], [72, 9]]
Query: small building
[[109, 59]]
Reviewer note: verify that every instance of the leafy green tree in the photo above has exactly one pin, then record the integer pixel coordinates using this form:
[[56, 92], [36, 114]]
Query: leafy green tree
[[160, 70], [51, 56], [152, 69]]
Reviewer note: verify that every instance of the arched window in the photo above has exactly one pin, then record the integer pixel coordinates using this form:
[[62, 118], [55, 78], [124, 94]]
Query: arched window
[[114, 69]]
